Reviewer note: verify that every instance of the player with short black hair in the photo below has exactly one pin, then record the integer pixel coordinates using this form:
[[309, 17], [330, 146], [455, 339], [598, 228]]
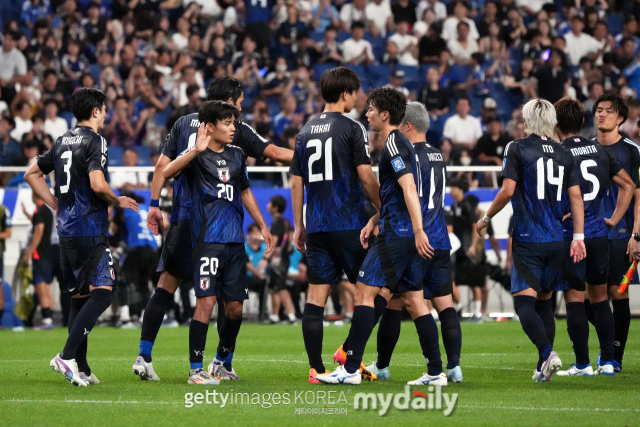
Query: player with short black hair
[[217, 173], [82, 194], [175, 259], [597, 169], [609, 112], [394, 261], [536, 171], [332, 162]]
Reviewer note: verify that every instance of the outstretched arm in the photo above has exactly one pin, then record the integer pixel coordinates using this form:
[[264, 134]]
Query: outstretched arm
[[279, 154], [250, 204]]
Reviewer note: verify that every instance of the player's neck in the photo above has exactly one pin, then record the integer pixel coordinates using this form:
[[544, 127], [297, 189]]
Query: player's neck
[[569, 135], [608, 138], [215, 146], [338, 107], [89, 124], [386, 130], [416, 137]]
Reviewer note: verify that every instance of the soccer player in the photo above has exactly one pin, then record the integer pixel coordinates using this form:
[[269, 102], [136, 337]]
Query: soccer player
[[436, 270], [217, 173], [79, 159], [394, 260], [536, 169], [610, 112], [332, 162], [597, 169], [175, 260]]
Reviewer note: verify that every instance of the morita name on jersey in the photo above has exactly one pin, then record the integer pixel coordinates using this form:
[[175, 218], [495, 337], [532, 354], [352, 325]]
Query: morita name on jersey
[[579, 151]]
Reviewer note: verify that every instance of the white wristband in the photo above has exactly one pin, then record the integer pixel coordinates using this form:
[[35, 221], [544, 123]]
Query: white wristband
[[578, 236], [486, 219]]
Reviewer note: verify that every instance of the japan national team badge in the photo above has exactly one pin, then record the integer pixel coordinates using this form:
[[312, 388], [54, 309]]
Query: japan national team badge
[[204, 283], [223, 174], [113, 274]]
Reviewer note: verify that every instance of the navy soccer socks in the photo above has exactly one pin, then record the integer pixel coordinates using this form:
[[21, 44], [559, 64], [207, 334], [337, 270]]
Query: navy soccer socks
[[451, 336], [428, 335], [84, 322], [622, 320], [312, 332], [578, 329], [532, 324], [605, 329], [361, 326], [388, 334], [153, 316], [197, 343]]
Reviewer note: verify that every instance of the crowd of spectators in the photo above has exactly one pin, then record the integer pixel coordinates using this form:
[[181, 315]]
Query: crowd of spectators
[[472, 63]]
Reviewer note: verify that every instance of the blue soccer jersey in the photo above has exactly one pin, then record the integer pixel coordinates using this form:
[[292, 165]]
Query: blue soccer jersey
[[596, 168], [397, 159], [328, 150], [217, 181], [81, 213], [541, 168], [183, 136], [135, 232], [628, 155], [259, 10], [433, 172]]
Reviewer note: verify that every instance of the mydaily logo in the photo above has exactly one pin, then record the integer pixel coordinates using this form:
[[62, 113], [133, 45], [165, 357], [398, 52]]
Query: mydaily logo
[[419, 401]]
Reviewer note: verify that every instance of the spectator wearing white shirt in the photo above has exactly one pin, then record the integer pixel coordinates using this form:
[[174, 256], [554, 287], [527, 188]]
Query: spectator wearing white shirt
[[14, 65], [353, 12], [463, 46], [407, 45], [579, 44], [379, 11], [438, 8], [531, 7], [129, 180], [181, 38], [463, 130], [356, 50], [427, 19], [450, 25], [23, 121], [54, 125]]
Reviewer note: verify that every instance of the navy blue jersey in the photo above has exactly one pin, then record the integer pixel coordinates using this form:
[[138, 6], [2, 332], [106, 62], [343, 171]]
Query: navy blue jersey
[[328, 150], [259, 10], [183, 136], [81, 213], [134, 231], [217, 181], [596, 169], [397, 159], [433, 173], [541, 168], [628, 155]]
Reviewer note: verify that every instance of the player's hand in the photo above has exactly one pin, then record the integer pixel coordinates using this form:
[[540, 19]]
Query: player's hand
[[26, 258], [609, 223], [269, 240], [631, 247], [568, 216], [154, 219], [128, 203], [471, 252], [578, 251], [422, 244], [636, 251], [299, 239], [203, 140], [481, 226], [365, 234]]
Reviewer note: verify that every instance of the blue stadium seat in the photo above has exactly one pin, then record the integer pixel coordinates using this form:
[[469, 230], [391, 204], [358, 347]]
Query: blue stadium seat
[[318, 69], [115, 155], [379, 74], [316, 36], [342, 36], [413, 78], [144, 155], [161, 116], [614, 22], [68, 116], [274, 105]]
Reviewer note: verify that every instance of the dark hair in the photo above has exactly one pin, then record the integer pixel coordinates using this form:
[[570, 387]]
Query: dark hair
[[570, 115], [290, 132], [391, 100], [279, 202], [15, 35], [493, 119], [48, 72], [357, 24], [577, 18], [628, 19], [51, 101], [461, 23], [21, 104], [93, 5], [626, 40], [460, 183], [617, 105], [252, 226], [464, 98], [85, 100], [9, 119], [331, 28], [335, 81], [223, 88], [263, 129], [214, 111], [191, 89], [478, 57]]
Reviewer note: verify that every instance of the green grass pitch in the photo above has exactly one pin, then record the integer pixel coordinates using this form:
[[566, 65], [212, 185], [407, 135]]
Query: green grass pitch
[[497, 363]]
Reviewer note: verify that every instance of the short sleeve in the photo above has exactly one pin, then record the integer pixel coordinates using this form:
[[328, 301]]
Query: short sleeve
[[400, 158], [448, 131], [298, 158], [244, 179], [38, 216], [96, 154], [511, 161], [614, 165], [45, 162], [360, 147], [635, 166], [254, 144], [169, 146]]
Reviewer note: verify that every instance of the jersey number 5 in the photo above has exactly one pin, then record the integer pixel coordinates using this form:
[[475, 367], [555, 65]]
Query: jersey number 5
[[553, 180], [328, 163], [590, 177]]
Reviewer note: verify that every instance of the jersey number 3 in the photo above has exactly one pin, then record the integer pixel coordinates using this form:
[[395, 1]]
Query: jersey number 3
[[67, 156], [328, 163]]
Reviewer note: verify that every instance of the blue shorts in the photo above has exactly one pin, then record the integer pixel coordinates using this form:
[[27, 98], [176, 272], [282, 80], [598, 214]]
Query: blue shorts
[[536, 266], [393, 262], [42, 271], [85, 261], [331, 253], [176, 251], [594, 269], [220, 270], [619, 262], [436, 273]]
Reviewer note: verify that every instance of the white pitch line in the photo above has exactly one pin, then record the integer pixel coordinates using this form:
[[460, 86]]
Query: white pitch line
[[125, 402], [533, 408]]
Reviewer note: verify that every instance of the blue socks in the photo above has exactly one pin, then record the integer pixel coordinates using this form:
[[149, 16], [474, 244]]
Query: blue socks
[[145, 350]]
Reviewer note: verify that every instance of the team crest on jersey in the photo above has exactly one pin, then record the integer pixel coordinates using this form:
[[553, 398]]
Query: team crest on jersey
[[205, 283], [544, 138], [322, 116], [223, 174], [113, 274], [576, 139]]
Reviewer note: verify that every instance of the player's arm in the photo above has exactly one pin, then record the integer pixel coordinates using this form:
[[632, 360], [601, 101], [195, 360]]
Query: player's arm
[[297, 203], [626, 188], [175, 167], [154, 218], [36, 238], [578, 250], [413, 206], [35, 178], [102, 189], [370, 184], [257, 146], [362, 163], [250, 204], [633, 246], [278, 154], [368, 229], [502, 198]]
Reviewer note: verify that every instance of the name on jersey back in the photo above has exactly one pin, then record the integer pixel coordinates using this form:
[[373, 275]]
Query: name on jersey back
[[72, 140], [435, 157], [579, 151], [320, 128]]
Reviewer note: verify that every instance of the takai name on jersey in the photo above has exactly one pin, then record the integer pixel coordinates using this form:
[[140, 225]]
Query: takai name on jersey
[[579, 151], [320, 128]]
